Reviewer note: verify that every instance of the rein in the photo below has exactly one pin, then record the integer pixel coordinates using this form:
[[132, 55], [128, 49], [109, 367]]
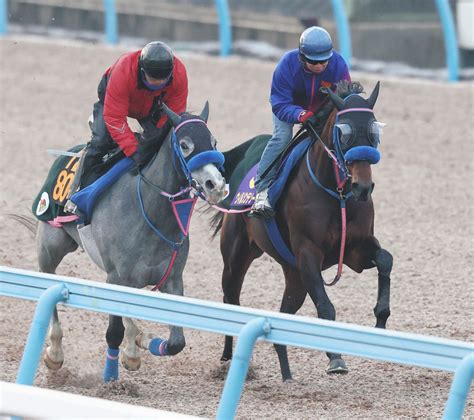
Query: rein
[[341, 174], [339, 169], [187, 202]]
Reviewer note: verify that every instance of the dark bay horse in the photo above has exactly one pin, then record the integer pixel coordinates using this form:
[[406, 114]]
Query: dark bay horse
[[316, 214], [138, 237]]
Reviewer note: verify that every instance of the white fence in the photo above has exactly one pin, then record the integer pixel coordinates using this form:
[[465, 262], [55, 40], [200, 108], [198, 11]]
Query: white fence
[[39, 403]]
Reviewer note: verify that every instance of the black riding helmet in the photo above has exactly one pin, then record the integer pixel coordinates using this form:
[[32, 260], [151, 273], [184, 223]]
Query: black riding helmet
[[156, 60]]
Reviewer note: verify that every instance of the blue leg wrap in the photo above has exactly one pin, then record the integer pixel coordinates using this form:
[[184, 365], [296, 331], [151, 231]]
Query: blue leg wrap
[[111, 365], [158, 347]]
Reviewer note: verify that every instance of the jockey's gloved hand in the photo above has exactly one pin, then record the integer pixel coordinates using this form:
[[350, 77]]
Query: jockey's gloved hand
[[307, 117], [150, 131], [145, 151], [141, 159]]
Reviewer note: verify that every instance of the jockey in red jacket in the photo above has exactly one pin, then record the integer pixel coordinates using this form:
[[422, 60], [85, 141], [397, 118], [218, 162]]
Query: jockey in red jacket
[[135, 86]]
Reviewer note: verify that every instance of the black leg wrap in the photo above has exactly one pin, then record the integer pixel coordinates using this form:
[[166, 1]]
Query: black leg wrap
[[115, 332], [384, 261]]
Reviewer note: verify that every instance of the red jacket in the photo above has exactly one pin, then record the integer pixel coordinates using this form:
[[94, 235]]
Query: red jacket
[[126, 96]]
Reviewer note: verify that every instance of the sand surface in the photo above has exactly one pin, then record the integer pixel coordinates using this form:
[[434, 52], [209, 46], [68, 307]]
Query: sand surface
[[423, 201]]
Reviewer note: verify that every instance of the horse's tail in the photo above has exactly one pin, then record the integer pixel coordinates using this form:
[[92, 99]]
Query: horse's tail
[[29, 222], [216, 222]]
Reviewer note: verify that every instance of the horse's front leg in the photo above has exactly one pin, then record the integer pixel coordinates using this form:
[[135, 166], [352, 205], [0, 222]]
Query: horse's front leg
[[114, 337], [309, 263], [176, 341], [384, 262], [367, 255]]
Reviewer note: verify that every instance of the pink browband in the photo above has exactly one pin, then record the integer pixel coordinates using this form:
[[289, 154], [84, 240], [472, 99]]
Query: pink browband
[[189, 121], [345, 111]]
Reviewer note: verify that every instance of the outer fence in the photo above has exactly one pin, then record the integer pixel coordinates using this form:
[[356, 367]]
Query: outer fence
[[340, 17], [248, 324]]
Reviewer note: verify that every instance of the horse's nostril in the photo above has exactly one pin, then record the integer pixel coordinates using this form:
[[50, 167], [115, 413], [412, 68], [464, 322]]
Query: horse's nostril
[[210, 185], [372, 187]]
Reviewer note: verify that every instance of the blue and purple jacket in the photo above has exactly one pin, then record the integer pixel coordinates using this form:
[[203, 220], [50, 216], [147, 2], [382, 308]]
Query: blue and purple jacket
[[295, 89]]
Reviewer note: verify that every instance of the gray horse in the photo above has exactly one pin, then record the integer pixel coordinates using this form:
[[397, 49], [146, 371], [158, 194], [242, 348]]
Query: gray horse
[[135, 236]]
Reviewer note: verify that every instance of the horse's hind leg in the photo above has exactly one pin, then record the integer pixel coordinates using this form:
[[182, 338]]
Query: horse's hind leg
[[237, 254], [292, 300], [52, 245], [54, 356], [131, 354]]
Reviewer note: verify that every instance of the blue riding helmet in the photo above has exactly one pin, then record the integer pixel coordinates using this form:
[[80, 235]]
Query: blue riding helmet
[[316, 44]]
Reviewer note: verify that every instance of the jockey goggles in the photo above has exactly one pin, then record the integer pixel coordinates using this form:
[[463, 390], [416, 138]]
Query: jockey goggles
[[152, 86], [307, 60]]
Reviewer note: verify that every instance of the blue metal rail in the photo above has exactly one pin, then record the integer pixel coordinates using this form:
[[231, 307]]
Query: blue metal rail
[[246, 323], [225, 27], [450, 39], [3, 17], [343, 31], [110, 22]]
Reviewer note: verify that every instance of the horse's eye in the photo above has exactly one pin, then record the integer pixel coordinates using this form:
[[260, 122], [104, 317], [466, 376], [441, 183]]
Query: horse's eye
[[376, 131], [187, 146], [344, 132]]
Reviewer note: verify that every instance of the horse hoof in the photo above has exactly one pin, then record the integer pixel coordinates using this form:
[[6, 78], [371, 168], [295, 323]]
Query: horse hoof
[[130, 363], [337, 366], [51, 364]]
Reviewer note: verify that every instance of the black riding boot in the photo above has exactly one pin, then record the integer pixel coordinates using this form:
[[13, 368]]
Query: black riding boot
[[92, 159]]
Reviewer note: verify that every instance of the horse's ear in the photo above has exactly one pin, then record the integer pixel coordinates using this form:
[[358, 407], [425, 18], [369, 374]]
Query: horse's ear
[[373, 96], [336, 100], [173, 117], [205, 112]]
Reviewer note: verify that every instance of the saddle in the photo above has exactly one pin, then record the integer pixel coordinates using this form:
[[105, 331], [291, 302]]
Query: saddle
[[48, 205], [241, 166]]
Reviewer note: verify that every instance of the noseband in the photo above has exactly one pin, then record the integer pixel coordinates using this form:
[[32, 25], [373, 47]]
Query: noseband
[[181, 202]]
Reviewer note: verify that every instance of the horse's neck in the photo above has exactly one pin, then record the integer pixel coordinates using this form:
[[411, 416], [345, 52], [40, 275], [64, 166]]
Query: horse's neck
[[322, 163], [161, 170]]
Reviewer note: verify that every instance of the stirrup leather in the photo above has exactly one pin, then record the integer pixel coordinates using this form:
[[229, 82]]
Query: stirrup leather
[[76, 182]]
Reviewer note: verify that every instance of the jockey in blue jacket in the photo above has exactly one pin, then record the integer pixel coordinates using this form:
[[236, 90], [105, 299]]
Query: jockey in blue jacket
[[295, 98]]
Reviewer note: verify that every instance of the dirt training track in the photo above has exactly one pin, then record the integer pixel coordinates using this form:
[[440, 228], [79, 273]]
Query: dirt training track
[[423, 199]]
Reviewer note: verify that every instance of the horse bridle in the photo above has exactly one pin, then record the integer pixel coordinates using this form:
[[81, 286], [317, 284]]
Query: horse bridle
[[342, 174], [188, 165], [197, 161], [182, 197]]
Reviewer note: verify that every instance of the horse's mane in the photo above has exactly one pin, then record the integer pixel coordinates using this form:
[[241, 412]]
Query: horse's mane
[[344, 88]]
